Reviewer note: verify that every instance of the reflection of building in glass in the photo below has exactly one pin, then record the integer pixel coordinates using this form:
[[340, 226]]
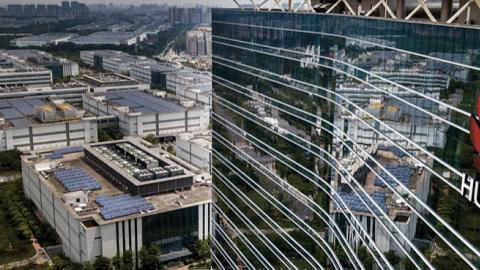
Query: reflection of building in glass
[[337, 139]]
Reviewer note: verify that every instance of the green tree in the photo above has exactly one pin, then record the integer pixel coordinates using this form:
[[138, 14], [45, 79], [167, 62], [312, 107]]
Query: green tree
[[116, 261], [127, 260], [151, 139], [88, 266], [407, 264], [150, 257], [203, 249], [10, 160], [102, 263], [392, 257]]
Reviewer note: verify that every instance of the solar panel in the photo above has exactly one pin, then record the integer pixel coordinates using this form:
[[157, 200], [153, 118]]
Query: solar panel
[[58, 153], [75, 179], [401, 172], [122, 205], [354, 203], [143, 102], [4, 104], [21, 122], [23, 107], [35, 102], [10, 113]]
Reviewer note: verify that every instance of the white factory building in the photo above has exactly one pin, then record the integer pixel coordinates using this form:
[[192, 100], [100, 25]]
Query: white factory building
[[141, 114], [110, 60], [104, 82], [110, 38], [42, 40], [70, 92], [153, 73], [195, 148], [60, 67], [191, 85], [115, 203], [43, 123], [16, 73]]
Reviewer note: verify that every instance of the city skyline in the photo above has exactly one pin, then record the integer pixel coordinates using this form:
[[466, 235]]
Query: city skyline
[[218, 3]]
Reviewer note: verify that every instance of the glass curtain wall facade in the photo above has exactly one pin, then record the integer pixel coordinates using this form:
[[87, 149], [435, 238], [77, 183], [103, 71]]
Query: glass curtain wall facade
[[341, 142]]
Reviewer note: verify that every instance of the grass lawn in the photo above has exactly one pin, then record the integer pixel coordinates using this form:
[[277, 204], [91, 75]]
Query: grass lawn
[[21, 249], [4, 173]]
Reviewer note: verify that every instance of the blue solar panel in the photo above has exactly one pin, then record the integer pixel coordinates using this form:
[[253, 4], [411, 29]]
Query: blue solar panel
[[75, 179], [143, 102], [21, 122], [10, 113], [395, 150], [56, 154], [35, 102], [23, 107], [353, 202], [4, 104], [122, 205], [401, 172]]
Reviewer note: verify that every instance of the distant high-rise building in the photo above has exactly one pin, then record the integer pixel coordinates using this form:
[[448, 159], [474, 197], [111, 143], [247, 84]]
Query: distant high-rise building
[[29, 11], [343, 142], [15, 10], [53, 10], [198, 42], [41, 10]]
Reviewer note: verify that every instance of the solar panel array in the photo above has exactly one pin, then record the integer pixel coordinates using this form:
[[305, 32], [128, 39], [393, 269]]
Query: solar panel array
[[58, 153], [142, 102], [17, 111], [122, 205], [401, 172], [75, 179], [395, 150], [353, 202]]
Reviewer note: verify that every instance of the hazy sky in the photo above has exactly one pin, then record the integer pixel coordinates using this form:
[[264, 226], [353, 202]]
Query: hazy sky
[[222, 3]]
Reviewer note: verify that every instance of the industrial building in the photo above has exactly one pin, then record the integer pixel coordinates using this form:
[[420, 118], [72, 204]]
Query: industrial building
[[60, 67], [70, 92], [195, 148], [104, 82], [110, 38], [43, 123], [43, 40], [19, 73], [107, 198], [191, 85], [110, 60], [140, 113], [153, 73]]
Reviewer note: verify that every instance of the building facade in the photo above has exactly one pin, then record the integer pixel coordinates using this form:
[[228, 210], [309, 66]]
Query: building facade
[[339, 140], [141, 114], [95, 216]]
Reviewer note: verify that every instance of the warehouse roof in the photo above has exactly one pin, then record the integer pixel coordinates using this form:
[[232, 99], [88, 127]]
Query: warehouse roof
[[139, 101]]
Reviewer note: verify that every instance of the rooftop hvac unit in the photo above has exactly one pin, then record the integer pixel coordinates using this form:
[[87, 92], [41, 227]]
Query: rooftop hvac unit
[[174, 170]]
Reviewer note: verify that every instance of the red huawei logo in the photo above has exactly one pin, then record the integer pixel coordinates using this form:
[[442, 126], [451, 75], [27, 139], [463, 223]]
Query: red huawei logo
[[470, 186]]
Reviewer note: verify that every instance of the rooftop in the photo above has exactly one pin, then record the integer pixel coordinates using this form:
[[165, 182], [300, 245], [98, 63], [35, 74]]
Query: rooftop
[[107, 79], [23, 112], [106, 37], [203, 140], [138, 101], [35, 56], [102, 190], [48, 37]]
